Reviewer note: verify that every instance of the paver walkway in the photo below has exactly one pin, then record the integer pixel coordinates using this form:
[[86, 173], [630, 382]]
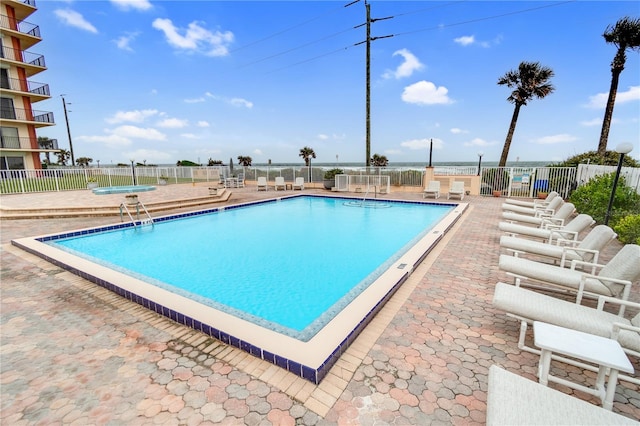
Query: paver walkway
[[73, 353]]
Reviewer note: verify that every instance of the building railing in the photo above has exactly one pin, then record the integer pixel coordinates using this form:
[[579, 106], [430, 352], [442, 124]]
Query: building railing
[[26, 57], [26, 115], [26, 86], [20, 26]]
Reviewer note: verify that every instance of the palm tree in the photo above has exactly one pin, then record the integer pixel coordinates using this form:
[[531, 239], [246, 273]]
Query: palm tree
[[379, 161], [530, 80], [307, 153], [46, 143], [625, 34], [244, 161], [63, 156]]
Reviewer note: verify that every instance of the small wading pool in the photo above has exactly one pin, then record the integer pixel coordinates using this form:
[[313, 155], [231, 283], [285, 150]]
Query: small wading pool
[[123, 189], [251, 244]]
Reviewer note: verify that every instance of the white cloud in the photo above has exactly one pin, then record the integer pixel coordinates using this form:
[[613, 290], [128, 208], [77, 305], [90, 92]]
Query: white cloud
[[323, 137], [457, 131], [478, 142], [600, 100], [194, 100], [114, 141], [550, 140], [188, 136], [465, 40], [405, 69], [425, 93], [203, 123], [239, 102], [195, 38], [592, 123], [173, 123], [136, 116], [138, 133], [123, 42], [74, 19], [257, 152], [149, 155], [422, 143], [132, 4]]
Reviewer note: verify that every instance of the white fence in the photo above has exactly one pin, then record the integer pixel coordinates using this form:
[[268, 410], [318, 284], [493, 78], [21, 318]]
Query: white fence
[[527, 181], [367, 184], [586, 172]]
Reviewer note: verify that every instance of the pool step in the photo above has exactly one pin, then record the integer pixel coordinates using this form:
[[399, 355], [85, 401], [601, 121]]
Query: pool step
[[100, 211]]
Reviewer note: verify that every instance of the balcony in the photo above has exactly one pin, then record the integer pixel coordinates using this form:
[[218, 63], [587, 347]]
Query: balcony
[[35, 91], [36, 118], [22, 8], [28, 33], [33, 63]]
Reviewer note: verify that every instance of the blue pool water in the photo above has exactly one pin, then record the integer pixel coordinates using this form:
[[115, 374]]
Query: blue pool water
[[123, 189], [290, 265]]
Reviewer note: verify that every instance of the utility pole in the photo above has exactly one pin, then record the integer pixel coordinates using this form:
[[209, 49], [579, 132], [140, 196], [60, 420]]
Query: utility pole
[[368, 41], [66, 119]]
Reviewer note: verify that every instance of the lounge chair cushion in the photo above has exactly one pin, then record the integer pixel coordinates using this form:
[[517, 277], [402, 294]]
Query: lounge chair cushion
[[625, 265], [577, 225], [516, 400], [535, 306]]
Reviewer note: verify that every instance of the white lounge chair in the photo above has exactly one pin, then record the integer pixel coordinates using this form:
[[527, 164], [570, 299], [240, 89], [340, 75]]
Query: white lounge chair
[[613, 279], [587, 250], [558, 218], [432, 189], [456, 190], [549, 232], [550, 208], [528, 306], [534, 203], [517, 401], [279, 183], [262, 183], [240, 180], [298, 183]]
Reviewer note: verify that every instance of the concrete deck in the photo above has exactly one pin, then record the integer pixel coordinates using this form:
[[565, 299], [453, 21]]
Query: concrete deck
[[73, 353]]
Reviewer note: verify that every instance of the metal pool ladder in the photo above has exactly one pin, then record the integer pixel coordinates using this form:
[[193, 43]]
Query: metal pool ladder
[[142, 222]]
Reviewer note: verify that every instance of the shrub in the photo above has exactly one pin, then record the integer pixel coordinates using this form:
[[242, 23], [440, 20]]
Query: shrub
[[628, 229], [611, 158], [593, 199], [331, 174]]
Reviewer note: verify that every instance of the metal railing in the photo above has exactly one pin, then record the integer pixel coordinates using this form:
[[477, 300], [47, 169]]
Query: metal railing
[[527, 181], [19, 85], [26, 115], [24, 56], [20, 26]]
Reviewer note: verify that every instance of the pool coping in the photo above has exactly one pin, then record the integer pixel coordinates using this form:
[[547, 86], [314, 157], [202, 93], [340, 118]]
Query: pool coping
[[310, 360]]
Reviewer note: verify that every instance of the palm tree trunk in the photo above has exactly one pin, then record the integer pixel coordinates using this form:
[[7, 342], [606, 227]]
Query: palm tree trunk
[[507, 142], [608, 111]]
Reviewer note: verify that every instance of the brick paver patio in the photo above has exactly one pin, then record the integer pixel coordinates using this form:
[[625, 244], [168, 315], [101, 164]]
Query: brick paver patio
[[73, 353]]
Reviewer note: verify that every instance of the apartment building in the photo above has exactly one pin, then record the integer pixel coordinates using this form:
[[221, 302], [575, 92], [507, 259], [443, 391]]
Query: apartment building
[[19, 121]]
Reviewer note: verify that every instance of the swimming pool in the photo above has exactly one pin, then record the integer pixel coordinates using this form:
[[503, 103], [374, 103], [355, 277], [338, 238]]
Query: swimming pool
[[125, 189], [309, 346]]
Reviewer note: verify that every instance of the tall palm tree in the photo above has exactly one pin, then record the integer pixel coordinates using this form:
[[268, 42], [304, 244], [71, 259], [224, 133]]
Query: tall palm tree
[[625, 34], [307, 153], [244, 160], [530, 80], [379, 160], [46, 143]]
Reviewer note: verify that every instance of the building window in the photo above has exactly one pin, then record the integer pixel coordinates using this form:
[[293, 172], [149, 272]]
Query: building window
[[9, 138], [6, 109], [11, 163]]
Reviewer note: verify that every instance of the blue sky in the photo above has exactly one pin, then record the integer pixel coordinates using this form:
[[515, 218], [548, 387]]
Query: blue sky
[[162, 81]]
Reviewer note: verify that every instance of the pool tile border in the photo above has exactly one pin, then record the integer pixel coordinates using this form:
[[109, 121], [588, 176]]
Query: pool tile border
[[314, 375]]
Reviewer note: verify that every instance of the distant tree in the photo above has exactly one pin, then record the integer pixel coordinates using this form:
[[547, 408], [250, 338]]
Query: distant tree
[[186, 163], [45, 143], [63, 156], [244, 161], [610, 158], [305, 153], [84, 161], [530, 80], [379, 161], [625, 34], [214, 162]]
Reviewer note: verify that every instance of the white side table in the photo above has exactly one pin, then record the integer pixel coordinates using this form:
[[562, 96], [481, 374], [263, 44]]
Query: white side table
[[606, 353]]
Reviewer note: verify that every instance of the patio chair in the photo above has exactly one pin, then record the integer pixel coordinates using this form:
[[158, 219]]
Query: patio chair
[[549, 232], [456, 190], [557, 218], [517, 401], [279, 183], [528, 306], [432, 189], [298, 183], [240, 180], [262, 183], [534, 203], [587, 250], [613, 279], [550, 208]]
